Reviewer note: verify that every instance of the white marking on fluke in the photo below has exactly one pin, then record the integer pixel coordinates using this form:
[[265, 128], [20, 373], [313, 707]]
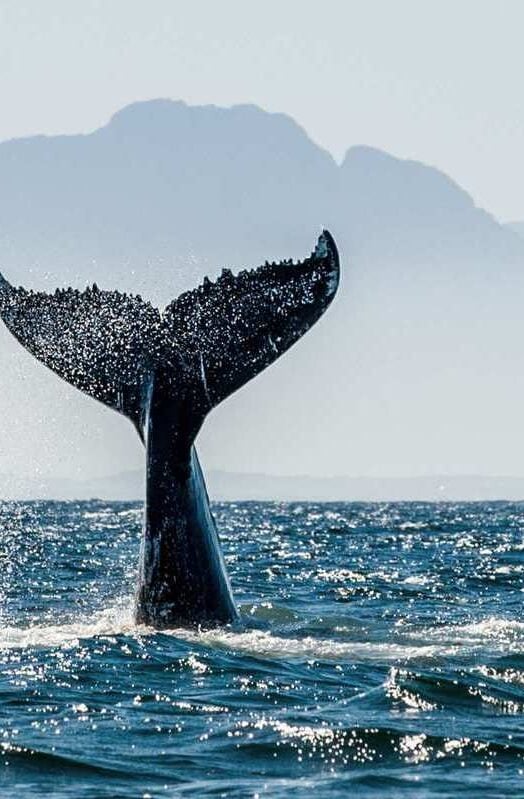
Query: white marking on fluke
[[204, 379], [321, 250], [273, 345]]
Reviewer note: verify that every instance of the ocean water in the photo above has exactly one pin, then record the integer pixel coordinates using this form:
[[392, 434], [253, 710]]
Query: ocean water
[[381, 654]]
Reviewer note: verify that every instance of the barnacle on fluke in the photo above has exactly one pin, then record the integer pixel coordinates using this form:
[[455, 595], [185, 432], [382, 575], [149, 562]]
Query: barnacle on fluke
[[166, 371]]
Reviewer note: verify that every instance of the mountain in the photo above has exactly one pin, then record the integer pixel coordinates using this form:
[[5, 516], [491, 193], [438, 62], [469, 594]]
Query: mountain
[[166, 190], [403, 209], [415, 369], [516, 227], [162, 189]]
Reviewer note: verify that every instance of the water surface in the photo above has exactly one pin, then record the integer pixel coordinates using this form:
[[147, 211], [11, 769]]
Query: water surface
[[382, 653]]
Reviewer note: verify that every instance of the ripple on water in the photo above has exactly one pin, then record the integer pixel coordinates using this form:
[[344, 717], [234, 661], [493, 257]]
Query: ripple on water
[[381, 651]]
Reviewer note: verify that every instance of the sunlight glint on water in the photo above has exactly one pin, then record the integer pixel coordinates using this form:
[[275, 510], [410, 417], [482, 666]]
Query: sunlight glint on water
[[381, 650]]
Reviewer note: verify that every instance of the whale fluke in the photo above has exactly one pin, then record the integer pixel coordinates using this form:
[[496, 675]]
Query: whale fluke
[[208, 342], [166, 371]]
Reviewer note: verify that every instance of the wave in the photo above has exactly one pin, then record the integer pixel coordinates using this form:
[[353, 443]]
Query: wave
[[266, 644], [492, 631], [354, 745], [437, 642], [118, 620], [114, 620]]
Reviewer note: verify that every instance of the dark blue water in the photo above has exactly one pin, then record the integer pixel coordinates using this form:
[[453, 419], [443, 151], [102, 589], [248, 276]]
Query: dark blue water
[[382, 654]]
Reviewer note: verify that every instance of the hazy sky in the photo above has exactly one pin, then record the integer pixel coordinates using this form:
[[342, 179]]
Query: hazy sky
[[439, 81]]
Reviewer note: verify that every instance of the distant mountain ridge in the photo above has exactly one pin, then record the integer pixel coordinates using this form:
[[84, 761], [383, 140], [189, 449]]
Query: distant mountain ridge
[[416, 368], [231, 487], [166, 185]]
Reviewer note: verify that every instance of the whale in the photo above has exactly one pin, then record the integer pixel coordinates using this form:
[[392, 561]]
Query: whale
[[165, 370]]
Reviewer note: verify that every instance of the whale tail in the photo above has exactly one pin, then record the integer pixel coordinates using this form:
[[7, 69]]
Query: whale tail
[[206, 344]]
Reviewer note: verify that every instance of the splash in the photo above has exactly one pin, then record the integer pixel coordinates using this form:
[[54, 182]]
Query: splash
[[118, 620]]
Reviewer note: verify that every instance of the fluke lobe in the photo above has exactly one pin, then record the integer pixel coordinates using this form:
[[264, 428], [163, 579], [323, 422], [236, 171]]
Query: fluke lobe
[[165, 371]]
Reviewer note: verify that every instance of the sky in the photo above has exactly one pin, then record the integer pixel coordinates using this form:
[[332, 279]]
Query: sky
[[436, 81]]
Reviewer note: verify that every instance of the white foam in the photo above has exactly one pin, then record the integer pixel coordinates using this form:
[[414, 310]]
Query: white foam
[[118, 620], [265, 644], [491, 632], [435, 642], [115, 620]]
